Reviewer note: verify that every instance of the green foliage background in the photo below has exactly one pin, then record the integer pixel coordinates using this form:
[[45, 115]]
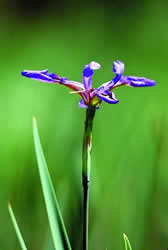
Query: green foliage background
[[129, 179]]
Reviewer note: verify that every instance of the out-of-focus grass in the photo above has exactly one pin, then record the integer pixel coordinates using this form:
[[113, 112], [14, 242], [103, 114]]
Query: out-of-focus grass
[[57, 227], [16, 228], [129, 174]]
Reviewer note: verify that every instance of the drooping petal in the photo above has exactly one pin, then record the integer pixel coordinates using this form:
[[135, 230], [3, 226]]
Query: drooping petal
[[134, 81], [88, 73], [110, 97], [42, 76], [82, 104]]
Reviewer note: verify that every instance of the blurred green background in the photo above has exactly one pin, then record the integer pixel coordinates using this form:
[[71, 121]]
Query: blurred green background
[[129, 178]]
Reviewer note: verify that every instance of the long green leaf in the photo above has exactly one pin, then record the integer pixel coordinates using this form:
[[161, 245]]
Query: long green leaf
[[58, 231], [16, 227], [127, 243]]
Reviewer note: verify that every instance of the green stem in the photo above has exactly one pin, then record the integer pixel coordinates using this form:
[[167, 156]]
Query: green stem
[[87, 146]]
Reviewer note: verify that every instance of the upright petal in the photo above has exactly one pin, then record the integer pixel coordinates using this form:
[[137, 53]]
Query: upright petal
[[88, 73], [42, 76], [134, 81], [118, 69]]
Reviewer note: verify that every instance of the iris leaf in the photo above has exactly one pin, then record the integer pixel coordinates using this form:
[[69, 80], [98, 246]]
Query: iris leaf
[[16, 227], [59, 235], [127, 243]]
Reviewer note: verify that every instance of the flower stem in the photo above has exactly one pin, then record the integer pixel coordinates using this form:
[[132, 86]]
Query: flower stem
[[87, 146]]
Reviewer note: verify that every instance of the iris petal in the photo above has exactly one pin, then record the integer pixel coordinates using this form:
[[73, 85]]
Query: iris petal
[[137, 81], [82, 104], [88, 73], [74, 83], [42, 76], [110, 98], [118, 69]]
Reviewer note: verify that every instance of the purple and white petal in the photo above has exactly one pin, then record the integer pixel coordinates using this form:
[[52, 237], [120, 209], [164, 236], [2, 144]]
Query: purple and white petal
[[88, 73], [94, 65], [118, 67], [77, 84], [63, 80], [104, 88], [82, 104], [110, 98], [134, 81], [42, 76], [52, 75]]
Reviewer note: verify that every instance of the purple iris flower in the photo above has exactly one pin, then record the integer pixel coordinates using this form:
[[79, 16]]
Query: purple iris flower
[[92, 96]]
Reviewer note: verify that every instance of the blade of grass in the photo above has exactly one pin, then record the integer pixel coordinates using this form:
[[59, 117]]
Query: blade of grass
[[59, 235], [16, 227], [127, 243]]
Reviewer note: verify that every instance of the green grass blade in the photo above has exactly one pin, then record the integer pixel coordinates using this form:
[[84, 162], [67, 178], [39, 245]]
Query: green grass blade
[[127, 243], [16, 227], [58, 231]]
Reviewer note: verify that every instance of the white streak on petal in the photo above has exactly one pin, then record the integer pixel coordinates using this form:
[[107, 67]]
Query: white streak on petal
[[36, 71]]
